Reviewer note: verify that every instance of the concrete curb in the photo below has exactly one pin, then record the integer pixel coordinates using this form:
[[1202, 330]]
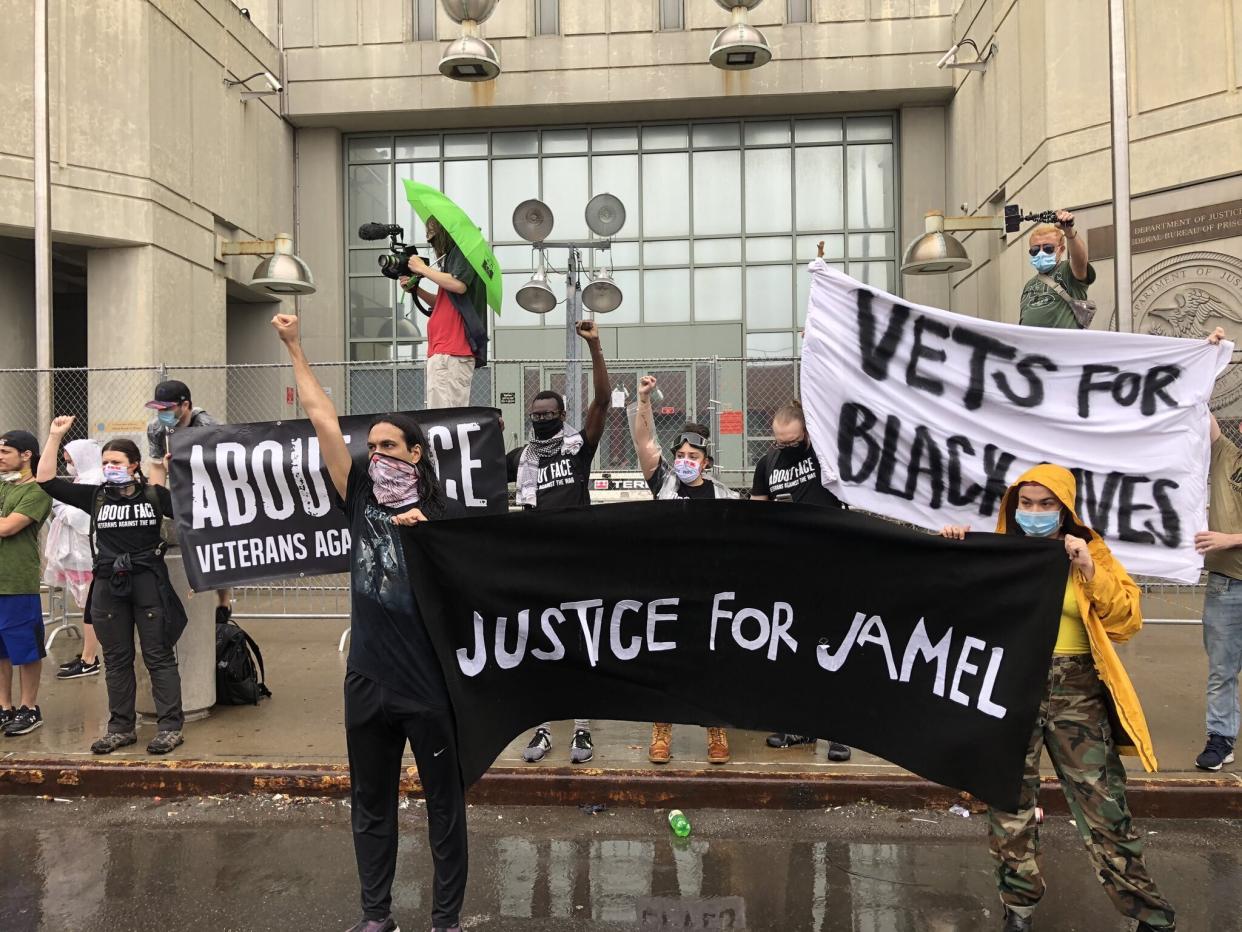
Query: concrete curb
[[1209, 797]]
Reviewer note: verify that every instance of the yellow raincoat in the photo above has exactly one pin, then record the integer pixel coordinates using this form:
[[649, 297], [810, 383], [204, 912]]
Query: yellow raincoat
[[1109, 605]]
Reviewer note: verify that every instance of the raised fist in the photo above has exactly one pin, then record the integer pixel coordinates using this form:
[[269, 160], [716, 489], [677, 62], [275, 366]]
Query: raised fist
[[646, 385], [286, 327]]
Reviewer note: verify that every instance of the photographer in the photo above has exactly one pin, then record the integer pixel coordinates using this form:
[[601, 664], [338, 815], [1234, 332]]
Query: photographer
[[1062, 276], [457, 330]]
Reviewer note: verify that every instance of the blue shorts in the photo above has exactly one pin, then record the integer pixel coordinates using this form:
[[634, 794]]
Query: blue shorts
[[21, 629]]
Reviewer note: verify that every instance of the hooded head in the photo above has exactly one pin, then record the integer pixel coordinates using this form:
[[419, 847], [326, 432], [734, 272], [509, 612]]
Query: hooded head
[[1060, 482], [87, 461]]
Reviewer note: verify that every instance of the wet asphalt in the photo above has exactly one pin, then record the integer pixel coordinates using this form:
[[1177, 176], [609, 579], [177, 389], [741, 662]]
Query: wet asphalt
[[273, 863]]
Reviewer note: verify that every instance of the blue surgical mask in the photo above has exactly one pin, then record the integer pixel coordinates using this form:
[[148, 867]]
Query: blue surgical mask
[[1044, 263], [116, 475], [687, 470], [1039, 523], [168, 417]]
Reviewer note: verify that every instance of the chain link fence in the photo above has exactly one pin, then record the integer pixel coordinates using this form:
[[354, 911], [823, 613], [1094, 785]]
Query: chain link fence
[[733, 397]]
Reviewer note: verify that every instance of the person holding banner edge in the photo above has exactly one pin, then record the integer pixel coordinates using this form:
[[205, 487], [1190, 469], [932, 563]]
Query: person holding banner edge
[[394, 689], [1089, 714], [687, 478], [131, 590], [790, 472], [553, 471]]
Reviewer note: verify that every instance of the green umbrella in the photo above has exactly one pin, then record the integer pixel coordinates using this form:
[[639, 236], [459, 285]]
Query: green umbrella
[[428, 202]]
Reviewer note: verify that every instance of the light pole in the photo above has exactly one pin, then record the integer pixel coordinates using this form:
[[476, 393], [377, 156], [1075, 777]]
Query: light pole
[[605, 215]]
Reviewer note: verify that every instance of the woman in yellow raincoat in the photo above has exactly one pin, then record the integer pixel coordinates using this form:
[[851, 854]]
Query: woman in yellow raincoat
[[1089, 714]]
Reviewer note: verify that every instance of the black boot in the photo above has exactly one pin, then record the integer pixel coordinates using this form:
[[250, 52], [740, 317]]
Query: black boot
[[1016, 923]]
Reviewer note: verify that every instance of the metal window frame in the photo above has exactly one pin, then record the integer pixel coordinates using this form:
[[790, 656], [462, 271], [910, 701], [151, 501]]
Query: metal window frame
[[638, 237], [416, 7], [540, 29], [808, 11], [661, 26]]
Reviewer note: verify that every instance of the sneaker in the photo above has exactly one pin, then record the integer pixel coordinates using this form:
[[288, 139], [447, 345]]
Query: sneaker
[[6, 716], [1217, 753], [838, 752], [223, 614], [1016, 923], [24, 721], [113, 740], [164, 742], [581, 750], [1147, 927], [661, 743], [717, 746], [78, 669], [540, 745], [446, 929], [375, 925], [72, 663], [779, 740]]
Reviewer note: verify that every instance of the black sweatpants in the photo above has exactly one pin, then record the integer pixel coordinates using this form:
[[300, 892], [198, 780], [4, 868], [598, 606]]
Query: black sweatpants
[[378, 722], [115, 620]]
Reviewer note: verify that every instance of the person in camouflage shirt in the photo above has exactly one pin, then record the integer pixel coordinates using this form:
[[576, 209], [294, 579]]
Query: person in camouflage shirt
[[1089, 715]]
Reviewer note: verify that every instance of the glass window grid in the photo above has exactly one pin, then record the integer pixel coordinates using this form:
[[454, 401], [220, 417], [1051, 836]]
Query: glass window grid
[[503, 225]]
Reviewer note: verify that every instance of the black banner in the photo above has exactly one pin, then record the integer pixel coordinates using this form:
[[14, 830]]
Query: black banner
[[254, 501], [932, 654]]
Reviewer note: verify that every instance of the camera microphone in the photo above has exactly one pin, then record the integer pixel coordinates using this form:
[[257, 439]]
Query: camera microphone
[[372, 231]]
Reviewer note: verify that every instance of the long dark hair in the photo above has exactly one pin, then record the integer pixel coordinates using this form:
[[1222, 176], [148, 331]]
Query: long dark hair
[[132, 453], [440, 241], [1068, 524], [429, 492]]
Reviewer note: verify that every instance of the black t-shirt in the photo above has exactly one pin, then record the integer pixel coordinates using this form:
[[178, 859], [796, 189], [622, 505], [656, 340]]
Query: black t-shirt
[[656, 482], [793, 471], [122, 524], [388, 642], [564, 479]]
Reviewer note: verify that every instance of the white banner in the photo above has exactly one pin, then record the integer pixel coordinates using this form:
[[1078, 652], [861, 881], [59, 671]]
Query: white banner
[[927, 417]]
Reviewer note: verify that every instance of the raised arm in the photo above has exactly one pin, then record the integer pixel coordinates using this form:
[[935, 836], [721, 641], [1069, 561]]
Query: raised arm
[[51, 448], [593, 429], [645, 443], [317, 405], [1075, 245]]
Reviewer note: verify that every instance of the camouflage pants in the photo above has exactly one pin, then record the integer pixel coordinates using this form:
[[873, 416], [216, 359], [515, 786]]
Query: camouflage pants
[[1073, 725]]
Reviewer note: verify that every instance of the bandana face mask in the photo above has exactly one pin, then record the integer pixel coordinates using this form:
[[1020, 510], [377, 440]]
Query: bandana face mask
[[395, 482]]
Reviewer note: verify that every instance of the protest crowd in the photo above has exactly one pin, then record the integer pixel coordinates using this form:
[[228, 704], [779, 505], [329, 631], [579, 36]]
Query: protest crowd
[[108, 509]]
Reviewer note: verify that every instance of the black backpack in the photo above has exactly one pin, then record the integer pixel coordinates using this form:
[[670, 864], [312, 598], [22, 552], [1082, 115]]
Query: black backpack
[[237, 680]]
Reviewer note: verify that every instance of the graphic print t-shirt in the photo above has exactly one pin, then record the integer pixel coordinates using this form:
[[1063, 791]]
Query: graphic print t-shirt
[[656, 482], [793, 471], [388, 642], [122, 524], [564, 479], [1040, 306]]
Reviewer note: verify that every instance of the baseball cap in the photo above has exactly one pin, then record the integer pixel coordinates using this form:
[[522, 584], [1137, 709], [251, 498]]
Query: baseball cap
[[168, 394], [24, 442]]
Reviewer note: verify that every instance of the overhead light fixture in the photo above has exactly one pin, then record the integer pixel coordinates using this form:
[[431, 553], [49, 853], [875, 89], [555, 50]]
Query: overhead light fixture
[[273, 86], [949, 59], [537, 295], [532, 220], [602, 295], [605, 215], [469, 57], [936, 251], [282, 274], [739, 46]]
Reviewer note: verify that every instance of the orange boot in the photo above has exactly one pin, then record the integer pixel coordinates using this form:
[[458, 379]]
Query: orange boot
[[717, 746], [661, 743]]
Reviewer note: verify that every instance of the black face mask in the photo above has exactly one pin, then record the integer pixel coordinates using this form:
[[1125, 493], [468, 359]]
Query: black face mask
[[546, 430], [799, 447]]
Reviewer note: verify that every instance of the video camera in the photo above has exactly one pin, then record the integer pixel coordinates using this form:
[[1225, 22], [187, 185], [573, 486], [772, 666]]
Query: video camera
[[396, 263], [1014, 218]]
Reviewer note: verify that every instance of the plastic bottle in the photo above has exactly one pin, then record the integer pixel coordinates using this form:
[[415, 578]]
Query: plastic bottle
[[678, 822]]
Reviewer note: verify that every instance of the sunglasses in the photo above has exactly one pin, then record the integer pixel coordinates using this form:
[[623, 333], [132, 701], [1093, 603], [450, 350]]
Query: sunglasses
[[545, 415], [1049, 248]]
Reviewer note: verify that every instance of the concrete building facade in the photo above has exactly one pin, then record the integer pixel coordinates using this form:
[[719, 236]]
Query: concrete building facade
[[848, 135]]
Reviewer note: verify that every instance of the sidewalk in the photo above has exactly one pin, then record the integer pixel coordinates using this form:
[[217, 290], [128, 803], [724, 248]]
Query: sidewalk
[[295, 743]]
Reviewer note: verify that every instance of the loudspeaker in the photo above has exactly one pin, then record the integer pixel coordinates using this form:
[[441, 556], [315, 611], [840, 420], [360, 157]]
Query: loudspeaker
[[605, 214], [533, 220]]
